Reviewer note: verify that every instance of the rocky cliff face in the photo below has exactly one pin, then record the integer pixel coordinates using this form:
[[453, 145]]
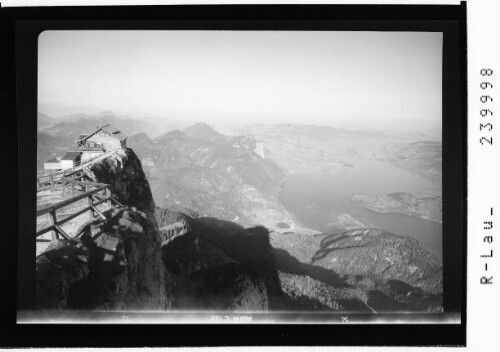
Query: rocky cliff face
[[129, 184], [218, 265], [114, 263]]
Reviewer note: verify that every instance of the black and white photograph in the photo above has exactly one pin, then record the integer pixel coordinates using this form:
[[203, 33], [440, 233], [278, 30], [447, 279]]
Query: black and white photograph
[[239, 171], [224, 175]]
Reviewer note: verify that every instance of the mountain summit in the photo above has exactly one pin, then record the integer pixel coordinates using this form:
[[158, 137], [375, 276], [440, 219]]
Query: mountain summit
[[203, 131]]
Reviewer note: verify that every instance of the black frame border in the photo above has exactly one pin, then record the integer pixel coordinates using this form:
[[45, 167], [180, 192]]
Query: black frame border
[[20, 29]]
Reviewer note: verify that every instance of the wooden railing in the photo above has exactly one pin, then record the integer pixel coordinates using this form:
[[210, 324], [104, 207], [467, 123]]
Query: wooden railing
[[90, 149], [43, 178], [93, 202], [62, 181]]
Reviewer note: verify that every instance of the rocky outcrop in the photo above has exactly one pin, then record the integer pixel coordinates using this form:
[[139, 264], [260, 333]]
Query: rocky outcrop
[[129, 184], [218, 265], [114, 263]]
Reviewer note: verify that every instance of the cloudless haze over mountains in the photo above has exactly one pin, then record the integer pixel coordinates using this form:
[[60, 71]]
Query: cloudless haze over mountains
[[378, 80]]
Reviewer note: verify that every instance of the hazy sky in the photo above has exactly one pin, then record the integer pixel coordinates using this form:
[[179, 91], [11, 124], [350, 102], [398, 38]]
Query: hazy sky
[[367, 78]]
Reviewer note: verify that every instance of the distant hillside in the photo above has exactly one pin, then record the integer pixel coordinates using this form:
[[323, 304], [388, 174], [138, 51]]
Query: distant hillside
[[49, 147], [56, 136], [210, 173], [309, 131], [423, 157], [359, 269], [45, 120], [74, 125], [308, 148], [57, 111]]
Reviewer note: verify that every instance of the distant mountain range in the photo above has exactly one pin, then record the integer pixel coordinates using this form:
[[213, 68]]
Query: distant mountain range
[[199, 168], [57, 134], [45, 120], [308, 148], [77, 123], [73, 125]]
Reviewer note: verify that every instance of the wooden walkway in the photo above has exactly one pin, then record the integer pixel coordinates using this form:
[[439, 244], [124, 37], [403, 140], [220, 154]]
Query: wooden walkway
[[95, 193], [46, 180]]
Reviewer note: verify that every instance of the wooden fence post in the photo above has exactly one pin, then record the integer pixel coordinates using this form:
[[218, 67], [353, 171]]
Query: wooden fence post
[[108, 195], [53, 222], [90, 201]]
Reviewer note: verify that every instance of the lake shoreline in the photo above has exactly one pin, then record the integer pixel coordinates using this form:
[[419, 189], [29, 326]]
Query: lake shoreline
[[324, 200]]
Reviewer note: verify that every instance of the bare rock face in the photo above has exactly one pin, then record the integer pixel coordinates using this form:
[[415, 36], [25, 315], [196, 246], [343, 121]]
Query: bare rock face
[[57, 269], [115, 264], [123, 171], [218, 265]]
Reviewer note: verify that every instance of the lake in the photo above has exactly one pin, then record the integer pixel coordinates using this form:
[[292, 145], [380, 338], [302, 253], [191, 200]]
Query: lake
[[322, 201]]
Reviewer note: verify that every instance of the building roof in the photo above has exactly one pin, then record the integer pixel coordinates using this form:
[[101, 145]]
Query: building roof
[[108, 129], [53, 160], [113, 131], [71, 156]]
